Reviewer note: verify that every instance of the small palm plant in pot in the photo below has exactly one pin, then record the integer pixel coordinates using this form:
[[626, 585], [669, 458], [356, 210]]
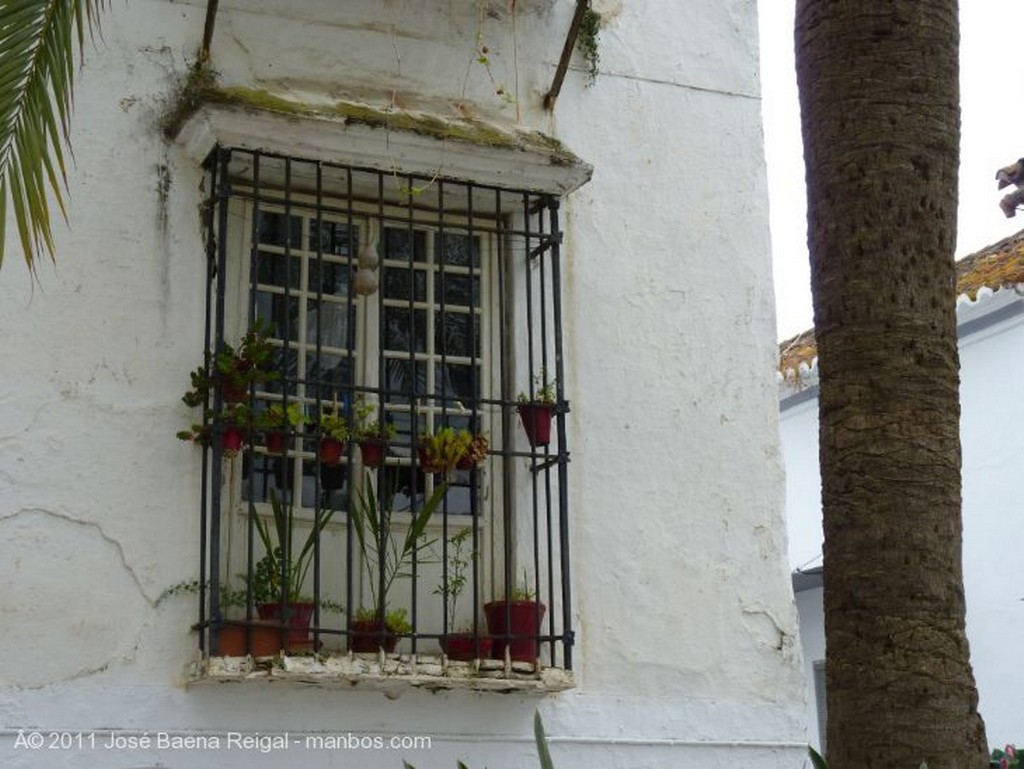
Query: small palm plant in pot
[[279, 575], [464, 643], [515, 624], [386, 555], [536, 409]]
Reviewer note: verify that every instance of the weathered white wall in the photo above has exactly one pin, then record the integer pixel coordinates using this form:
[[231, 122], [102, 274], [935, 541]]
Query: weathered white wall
[[991, 370], [686, 625]]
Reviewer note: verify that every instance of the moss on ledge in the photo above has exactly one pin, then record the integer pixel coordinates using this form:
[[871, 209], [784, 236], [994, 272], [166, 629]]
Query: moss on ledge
[[199, 90]]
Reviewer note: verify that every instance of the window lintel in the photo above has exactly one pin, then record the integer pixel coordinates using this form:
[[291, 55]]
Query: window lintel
[[391, 140]]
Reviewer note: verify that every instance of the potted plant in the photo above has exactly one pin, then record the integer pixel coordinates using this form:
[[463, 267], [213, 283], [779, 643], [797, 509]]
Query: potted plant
[[535, 411], [385, 557], [462, 644], [370, 634], [277, 423], [372, 435], [234, 371], [334, 432], [277, 579], [235, 638], [515, 624], [448, 449], [232, 424]]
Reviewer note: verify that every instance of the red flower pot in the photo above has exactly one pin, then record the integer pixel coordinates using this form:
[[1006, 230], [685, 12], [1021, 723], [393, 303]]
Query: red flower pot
[[297, 638], [463, 646], [373, 452], [231, 439], [536, 419], [523, 619], [275, 442], [232, 640], [369, 636], [331, 450]]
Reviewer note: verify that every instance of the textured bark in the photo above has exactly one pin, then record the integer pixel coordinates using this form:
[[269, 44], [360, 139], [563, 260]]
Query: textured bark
[[880, 112]]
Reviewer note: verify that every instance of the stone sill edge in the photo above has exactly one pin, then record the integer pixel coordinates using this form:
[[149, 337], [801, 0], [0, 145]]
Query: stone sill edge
[[380, 672]]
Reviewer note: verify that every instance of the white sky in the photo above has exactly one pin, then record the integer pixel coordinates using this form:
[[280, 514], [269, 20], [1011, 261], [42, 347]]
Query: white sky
[[992, 136]]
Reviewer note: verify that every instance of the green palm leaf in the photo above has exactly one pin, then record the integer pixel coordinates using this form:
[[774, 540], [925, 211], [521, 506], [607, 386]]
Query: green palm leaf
[[37, 68]]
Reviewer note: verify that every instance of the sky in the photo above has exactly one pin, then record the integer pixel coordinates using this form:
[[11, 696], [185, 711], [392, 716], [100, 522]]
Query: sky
[[992, 136]]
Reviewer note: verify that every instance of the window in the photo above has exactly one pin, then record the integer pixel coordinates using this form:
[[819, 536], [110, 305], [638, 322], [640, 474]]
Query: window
[[420, 303]]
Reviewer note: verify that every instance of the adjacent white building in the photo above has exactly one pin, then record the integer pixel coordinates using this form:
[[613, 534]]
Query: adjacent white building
[[990, 312], [657, 536]]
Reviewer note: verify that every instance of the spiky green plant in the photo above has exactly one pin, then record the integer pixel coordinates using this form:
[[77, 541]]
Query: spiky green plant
[[37, 69]]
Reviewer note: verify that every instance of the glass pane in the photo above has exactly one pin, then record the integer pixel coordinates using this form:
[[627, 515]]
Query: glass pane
[[330, 278], [399, 327], [267, 473], [288, 368], [335, 237], [397, 245], [327, 323], [275, 270], [281, 313], [457, 382], [456, 289], [397, 280], [271, 229], [328, 375], [455, 334], [404, 380], [454, 248]]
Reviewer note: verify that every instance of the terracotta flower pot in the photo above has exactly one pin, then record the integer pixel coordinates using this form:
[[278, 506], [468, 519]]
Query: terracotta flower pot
[[373, 452], [463, 646], [371, 635], [297, 638], [275, 442], [331, 450], [536, 419], [266, 639], [231, 439], [524, 619]]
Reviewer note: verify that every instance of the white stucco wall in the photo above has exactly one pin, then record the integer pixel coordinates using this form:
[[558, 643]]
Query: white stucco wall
[[686, 649], [991, 370]]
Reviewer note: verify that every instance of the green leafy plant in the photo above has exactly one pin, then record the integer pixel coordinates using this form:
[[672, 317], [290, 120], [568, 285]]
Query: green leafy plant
[[368, 428], [449, 448], [817, 760], [543, 390], [276, 417], [385, 555], [275, 573], [586, 42], [235, 371], [457, 573], [37, 50], [396, 621], [543, 752], [334, 425]]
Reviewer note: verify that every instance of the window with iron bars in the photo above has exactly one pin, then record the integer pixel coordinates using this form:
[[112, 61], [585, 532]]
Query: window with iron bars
[[420, 312]]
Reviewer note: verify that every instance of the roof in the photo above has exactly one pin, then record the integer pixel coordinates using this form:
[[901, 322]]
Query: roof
[[1000, 265]]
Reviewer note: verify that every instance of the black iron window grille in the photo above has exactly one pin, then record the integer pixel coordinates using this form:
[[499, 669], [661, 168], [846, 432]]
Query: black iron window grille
[[418, 321]]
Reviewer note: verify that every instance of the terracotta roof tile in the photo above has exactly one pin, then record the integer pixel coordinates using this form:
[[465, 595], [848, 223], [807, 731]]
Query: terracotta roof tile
[[997, 266]]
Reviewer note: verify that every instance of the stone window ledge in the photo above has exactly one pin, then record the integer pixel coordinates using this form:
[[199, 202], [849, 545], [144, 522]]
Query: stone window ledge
[[391, 674]]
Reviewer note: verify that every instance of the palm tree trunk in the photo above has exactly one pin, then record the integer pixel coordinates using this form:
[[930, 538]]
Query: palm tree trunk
[[880, 113]]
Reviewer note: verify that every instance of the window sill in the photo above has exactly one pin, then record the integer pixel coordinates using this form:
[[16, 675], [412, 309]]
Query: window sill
[[392, 674]]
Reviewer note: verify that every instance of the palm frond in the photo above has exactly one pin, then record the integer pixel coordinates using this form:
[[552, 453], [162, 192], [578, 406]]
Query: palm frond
[[37, 72]]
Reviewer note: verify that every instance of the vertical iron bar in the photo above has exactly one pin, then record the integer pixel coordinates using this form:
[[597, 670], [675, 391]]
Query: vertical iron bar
[[224, 193], [204, 484], [254, 258], [563, 456]]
